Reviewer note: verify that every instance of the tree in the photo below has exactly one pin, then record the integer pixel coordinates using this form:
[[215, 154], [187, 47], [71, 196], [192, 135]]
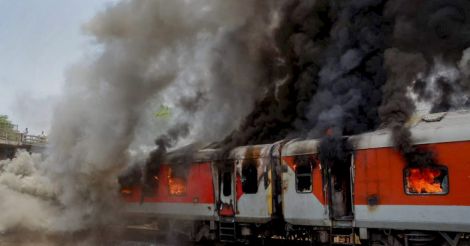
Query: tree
[[7, 129], [5, 122]]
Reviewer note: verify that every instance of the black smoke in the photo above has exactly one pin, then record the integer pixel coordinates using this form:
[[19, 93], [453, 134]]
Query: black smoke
[[431, 27], [330, 76], [335, 154], [427, 35], [349, 86], [299, 40], [350, 66]]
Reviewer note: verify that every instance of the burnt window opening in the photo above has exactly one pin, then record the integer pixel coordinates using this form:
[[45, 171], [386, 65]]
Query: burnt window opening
[[129, 179], [249, 177], [227, 183], [336, 155], [303, 174], [431, 180], [151, 182], [176, 184]]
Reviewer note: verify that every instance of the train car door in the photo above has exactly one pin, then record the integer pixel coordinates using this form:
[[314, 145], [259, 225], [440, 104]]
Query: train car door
[[227, 193], [336, 159], [339, 178]]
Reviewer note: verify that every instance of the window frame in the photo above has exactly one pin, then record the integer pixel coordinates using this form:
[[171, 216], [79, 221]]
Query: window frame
[[255, 167], [224, 184], [440, 167], [311, 162], [171, 176]]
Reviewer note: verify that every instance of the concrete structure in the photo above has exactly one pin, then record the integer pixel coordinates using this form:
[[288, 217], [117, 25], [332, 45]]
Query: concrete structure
[[10, 144]]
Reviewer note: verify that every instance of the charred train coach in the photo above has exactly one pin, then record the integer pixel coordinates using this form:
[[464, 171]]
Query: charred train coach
[[285, 190]]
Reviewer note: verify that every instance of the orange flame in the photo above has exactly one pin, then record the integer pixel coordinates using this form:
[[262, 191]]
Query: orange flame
[[177, 186], [125, 191], [423, 180]]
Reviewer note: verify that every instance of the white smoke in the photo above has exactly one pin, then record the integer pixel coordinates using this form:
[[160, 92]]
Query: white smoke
[[201, 58], [27, 194], [445, 83]]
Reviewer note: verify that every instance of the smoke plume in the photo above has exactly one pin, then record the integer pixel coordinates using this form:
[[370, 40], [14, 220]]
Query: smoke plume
[[428, 40], [351, 66], [234, 72], [205, 60], [328, 75]]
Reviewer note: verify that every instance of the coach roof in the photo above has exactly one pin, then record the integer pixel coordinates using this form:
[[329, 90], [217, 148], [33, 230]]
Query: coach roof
[[426, 129]]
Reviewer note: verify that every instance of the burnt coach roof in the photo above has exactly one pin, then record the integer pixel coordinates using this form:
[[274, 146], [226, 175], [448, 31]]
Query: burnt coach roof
[[192, 153], [251, 152], [300, 147], [426, 129]]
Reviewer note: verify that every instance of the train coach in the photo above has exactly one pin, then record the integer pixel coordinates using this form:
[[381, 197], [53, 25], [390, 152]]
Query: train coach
[[368, 194]]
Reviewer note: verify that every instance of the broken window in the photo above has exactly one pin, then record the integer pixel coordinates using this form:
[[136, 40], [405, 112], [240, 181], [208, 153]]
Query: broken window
[[303, 174], [432, 180], [249, 177], [176, 185], [130, 179], [227, 183]]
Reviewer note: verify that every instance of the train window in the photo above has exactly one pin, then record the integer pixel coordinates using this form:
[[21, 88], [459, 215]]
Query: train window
[[176, 185], [426, 180], [303, 175], [129, 180], [227, 183], [249, 177]]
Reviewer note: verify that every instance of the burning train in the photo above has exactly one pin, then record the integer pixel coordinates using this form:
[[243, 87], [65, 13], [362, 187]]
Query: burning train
[[290, 189]]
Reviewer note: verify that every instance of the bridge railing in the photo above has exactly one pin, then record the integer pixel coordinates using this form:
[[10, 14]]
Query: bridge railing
[[10, 135], [34, 139]]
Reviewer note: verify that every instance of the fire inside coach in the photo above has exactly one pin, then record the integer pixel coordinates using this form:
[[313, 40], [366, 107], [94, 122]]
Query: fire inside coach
[[176, 185], [239, 121], [426, 180], [299, 190]]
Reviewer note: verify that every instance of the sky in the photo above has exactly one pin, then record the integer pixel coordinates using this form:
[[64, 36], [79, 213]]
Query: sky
[[39, 40]]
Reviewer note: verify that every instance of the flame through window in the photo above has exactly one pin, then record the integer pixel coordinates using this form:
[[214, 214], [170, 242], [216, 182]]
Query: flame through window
[[426, 180], [176, 185]]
